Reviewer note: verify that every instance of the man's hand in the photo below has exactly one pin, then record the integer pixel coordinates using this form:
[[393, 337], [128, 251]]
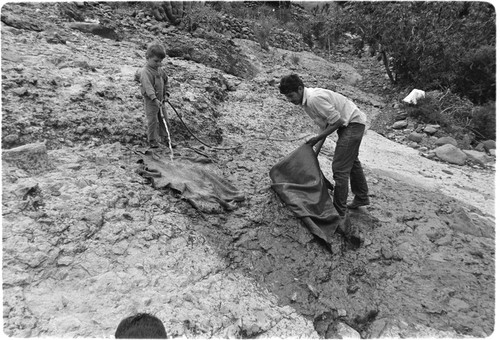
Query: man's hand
[[313, 141], [158, 103]]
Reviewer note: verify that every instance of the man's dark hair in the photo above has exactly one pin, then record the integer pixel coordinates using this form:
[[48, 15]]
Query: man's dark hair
[[141, 326], [290, 83]]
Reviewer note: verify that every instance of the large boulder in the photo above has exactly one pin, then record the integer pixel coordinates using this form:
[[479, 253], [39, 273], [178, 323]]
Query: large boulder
[[415, 137], [476, 156], [32, 158], [446, 140], [431, 129], [400, 125], [489, 144], [451, 154]]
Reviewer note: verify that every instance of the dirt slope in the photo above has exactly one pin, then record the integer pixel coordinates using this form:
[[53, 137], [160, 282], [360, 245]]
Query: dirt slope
[[87, 241]]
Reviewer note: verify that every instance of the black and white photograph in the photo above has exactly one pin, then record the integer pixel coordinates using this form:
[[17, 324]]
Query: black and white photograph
[[248, 169]]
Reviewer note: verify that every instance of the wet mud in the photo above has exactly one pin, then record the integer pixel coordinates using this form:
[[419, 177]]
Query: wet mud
[[413, 265]]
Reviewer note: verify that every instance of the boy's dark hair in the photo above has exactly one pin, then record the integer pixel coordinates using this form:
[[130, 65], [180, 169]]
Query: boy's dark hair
[[141, 326], [290, 83], [156, 50]]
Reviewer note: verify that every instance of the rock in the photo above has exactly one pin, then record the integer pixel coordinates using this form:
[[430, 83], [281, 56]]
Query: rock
[[464, 143], [444, 241], [489, 144], [55, 37], [400, 125], [96, 29], [21, 91], [72, 11], [14, 279], [458, 304], [347, 332], [32, 158], [393, 328], [12, 138], [65, 323], [401, 116], [451, 154], [64, 260], [21, 23], [376, 328], [26, 187], [416, 137], [446, 140], [470, 223], [353, 79], [431, 129], [476, 156], [480, 147]]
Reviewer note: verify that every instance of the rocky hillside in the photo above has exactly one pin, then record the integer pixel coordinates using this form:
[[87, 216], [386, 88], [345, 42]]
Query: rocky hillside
[[88, 241]]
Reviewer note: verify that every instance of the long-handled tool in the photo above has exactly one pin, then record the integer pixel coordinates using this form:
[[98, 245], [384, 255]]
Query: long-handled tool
[[162, 113]]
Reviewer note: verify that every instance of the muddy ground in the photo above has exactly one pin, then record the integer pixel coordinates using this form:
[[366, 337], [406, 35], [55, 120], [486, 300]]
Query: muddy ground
[[88, 241]]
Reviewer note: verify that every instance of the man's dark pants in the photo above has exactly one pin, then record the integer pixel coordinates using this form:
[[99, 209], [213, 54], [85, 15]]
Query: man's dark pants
[[346, 166]]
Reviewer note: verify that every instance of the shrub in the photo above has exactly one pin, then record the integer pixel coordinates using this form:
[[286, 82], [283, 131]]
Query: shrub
[[476, 74], [483, 122], [262, 30], [201, 14], [427, 110], [446, 109], [434, 44]]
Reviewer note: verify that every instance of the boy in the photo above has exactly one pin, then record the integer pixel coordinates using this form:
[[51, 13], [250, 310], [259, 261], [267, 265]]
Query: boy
[[334, 112], [153, 81], [141, 326]]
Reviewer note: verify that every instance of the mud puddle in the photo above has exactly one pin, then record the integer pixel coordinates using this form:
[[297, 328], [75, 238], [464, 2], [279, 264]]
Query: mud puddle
[[413, 267]]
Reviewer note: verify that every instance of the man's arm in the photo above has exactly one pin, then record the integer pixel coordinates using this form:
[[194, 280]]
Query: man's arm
[[330, 128], [319, 145]]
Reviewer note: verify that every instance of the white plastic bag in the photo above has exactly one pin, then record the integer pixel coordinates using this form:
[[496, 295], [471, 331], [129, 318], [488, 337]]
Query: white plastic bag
[[414, 96]]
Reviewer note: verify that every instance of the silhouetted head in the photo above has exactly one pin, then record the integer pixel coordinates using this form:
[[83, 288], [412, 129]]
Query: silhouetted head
[[141, 326]]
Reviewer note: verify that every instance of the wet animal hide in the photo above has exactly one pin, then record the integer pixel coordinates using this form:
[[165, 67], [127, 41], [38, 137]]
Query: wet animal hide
[[301, 185], [197, 183]]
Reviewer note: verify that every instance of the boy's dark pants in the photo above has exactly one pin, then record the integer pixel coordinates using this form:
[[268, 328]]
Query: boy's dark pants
[[346, 166], [156, 130]]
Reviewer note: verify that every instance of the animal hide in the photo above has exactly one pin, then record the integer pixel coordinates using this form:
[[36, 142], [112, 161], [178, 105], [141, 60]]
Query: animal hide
[[301, 185], [197, 183]]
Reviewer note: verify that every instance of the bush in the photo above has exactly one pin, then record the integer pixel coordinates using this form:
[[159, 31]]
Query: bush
[[446, 109], [476, 75], [483, 122], [262, 30], [433, 44], [427, 110], [201, 14]]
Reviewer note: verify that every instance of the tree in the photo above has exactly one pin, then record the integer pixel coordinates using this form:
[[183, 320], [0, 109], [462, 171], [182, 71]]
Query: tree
[[431, 44]]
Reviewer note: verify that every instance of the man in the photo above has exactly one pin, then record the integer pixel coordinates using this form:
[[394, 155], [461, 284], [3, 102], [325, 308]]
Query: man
[[334, 112]]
